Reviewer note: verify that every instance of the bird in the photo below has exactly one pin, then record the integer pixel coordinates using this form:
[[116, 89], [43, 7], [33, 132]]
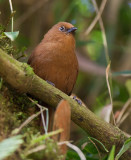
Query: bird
[[54, 58]]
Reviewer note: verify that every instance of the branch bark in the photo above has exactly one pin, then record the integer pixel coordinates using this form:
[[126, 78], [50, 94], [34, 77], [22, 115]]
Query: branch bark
[[21, 77]]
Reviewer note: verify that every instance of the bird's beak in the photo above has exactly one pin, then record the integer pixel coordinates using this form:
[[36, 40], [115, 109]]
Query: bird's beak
[[73, 29]]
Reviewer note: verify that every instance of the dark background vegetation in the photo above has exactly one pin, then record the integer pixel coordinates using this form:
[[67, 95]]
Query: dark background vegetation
[[33, 18]]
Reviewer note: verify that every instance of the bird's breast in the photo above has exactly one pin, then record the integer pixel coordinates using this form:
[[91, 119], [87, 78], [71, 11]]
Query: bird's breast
[[56, 63]]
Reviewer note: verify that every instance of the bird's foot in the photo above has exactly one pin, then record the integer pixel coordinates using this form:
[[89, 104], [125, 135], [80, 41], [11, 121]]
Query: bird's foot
[[51, 83], [77, 100]]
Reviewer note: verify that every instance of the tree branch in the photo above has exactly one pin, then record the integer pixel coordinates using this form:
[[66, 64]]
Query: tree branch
[[21, 77]]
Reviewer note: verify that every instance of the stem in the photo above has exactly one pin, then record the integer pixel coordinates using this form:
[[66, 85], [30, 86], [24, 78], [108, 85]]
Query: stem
[[102, 27], [12, 19]]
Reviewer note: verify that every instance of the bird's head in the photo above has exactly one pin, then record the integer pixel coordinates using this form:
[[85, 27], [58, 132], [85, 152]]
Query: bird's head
[[66, 28], [61, 31]]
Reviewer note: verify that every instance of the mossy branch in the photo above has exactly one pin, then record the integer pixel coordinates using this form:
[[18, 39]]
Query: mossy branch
[[21, 77]]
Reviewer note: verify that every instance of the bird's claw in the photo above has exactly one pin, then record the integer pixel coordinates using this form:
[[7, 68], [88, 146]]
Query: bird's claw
[[51, 83], [77, 100]]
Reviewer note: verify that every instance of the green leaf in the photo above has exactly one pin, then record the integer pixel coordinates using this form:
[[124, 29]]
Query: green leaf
[[125, 147], [96, 44], [112, 153], [122, 73], [10, 145], [12, 35], [72, 155]]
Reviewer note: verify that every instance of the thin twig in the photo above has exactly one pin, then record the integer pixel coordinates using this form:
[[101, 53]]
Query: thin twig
[[75, 148], [37, 149], [127, 134], [45, 125], [124, 117], [123, 110], [64, 142], [102, 28], [89, 29], [12, 19], [95, 147], [42, 147], [109, 90], [26, 122]]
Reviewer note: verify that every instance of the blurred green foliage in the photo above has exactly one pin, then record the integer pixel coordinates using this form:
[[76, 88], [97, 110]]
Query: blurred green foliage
[[95, 46]]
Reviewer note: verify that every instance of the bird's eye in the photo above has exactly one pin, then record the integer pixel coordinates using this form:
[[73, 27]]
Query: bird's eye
[[62, 28]]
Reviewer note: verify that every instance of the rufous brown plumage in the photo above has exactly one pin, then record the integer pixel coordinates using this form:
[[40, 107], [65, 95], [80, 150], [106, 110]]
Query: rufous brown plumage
[[54, 59]]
